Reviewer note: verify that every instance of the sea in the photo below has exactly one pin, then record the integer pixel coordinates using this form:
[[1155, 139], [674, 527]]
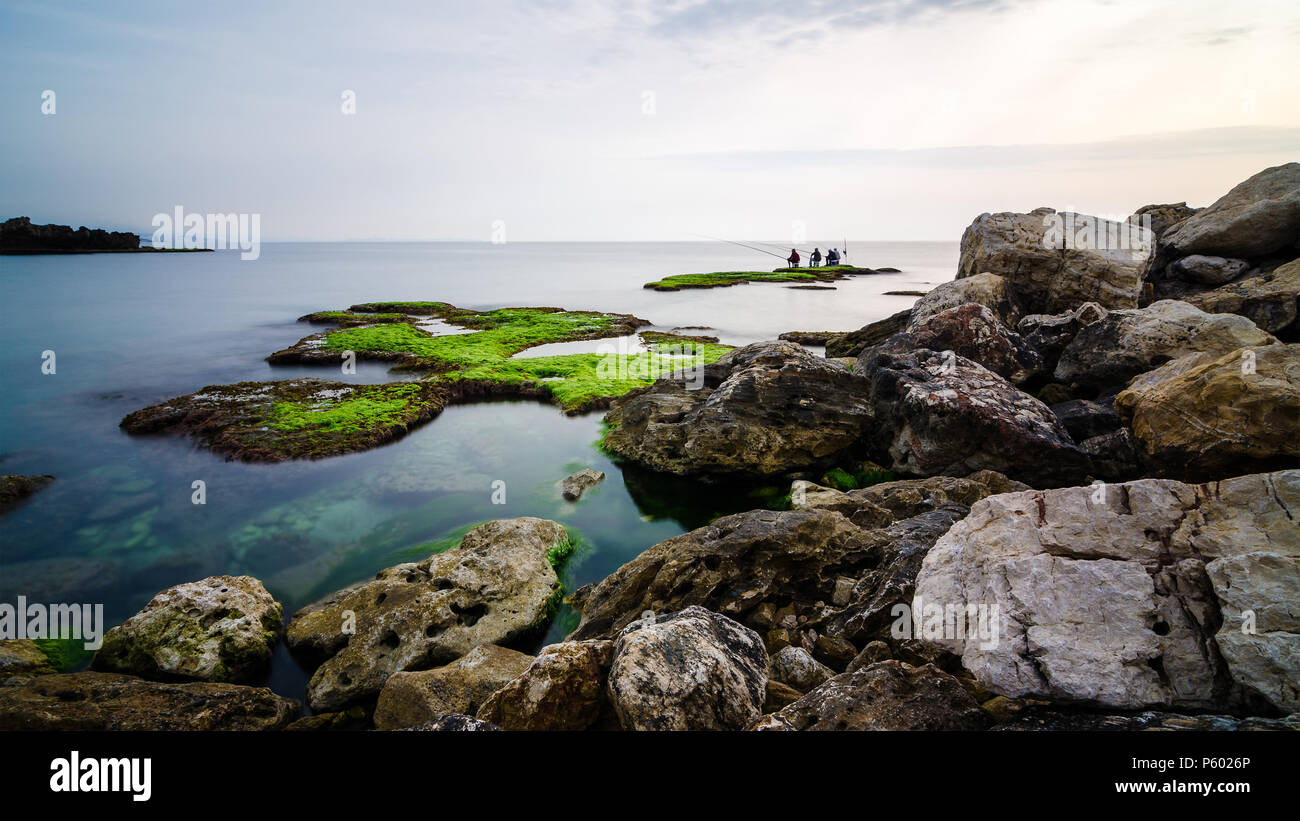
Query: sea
[[124, 331]]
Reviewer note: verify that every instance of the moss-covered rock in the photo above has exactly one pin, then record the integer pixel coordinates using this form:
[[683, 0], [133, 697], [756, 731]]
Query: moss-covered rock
[[23, 657], [15, 488], [725, 279], [293, 419], [222, 628]]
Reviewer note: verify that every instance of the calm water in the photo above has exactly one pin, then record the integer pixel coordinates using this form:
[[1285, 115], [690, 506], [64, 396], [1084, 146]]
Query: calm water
[[131, 330]]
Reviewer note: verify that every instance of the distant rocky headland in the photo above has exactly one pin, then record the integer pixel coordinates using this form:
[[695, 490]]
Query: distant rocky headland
[[19, 236]]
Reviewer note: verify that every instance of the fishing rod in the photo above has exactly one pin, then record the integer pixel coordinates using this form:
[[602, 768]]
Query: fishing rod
[[741, 244]]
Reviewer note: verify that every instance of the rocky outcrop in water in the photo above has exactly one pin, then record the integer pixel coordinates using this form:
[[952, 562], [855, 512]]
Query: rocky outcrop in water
[[496, 586], [109, 701], [19, 235], [765, 409], [14, 488], [222, 628], [572, 487], [1128, 596]]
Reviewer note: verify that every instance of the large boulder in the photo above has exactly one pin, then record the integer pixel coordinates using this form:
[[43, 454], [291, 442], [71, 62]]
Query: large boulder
[[1053, 263], [1258, 217], [111, 701], [973, 331], [887, 695], [1049, 334], [989, 290], [562, 689], [222, 628], [412, 698], [1123, 344], [497, 586], [1117, 596], [1205, 416], [767, 408], [939, 413], [690, 670], [1270, 300]]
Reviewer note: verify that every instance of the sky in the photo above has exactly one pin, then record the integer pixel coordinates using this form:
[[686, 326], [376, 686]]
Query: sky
[[637, 120]]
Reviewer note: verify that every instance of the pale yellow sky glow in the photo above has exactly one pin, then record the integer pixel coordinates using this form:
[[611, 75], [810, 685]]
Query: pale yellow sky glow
[[884, 119]]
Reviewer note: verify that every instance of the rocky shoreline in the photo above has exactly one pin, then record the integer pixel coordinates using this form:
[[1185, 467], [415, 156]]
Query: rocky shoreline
[[1097, 526]]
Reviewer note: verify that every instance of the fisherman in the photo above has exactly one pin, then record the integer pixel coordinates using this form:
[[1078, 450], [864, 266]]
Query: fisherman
[[815, 259], [832, 257], [793, 259]]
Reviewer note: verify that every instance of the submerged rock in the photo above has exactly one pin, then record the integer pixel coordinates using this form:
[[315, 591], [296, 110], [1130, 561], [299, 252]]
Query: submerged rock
[[15, 488], [888, 695], [1126, 343], [766, 409], [110, 701], [222, 628], [691, 670], [410, 699], [562, 689], [1205, 416], [1030, 251], [292, 419], [493, 588], [572, 487], [1125, 596]]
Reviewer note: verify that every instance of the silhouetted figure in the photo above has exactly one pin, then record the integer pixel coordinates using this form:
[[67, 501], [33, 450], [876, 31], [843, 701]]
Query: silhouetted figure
[[815, 259]]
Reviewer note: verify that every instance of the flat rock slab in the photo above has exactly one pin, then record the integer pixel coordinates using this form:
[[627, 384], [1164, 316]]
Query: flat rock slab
[[110, 701], [1126, 596], [292, 419]]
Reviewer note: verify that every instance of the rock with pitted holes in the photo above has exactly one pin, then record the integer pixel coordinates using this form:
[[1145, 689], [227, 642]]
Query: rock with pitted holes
[[222, 628], [1206, 415], [497, 586], [1126, 596], [940, 413], [766, 409], [414, 697], [888, 695], [111, 701], [690, 670], [1051, 261], [1126, 343], [562, 689]]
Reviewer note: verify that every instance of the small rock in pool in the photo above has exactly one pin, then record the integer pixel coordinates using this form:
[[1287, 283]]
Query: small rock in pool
[[572, 487]]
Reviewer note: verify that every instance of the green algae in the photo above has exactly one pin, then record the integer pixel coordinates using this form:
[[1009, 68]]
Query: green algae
[[724, 279], [365, 410]]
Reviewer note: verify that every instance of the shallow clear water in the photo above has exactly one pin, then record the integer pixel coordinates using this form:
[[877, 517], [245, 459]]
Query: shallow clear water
[[132, 330]]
